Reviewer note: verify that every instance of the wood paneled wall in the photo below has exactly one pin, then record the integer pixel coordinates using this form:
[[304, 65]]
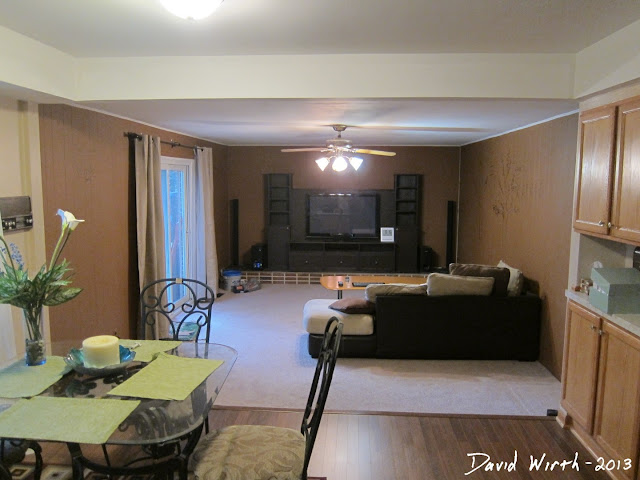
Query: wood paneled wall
[[86, 169], [516, 206], [438, 166]]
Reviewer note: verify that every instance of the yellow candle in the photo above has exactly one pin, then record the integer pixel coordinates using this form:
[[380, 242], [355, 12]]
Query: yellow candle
[[101, 351]]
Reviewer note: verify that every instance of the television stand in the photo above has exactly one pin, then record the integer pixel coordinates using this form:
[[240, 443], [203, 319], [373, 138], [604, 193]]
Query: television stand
[[331, 256]]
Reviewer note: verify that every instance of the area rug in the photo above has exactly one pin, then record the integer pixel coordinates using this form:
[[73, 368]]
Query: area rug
[[63, 472], [274, 369]]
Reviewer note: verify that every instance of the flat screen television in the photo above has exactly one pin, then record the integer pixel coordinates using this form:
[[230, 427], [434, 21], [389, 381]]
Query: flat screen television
[[342, 214]]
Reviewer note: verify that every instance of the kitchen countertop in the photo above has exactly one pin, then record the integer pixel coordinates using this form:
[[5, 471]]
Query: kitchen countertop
[[627, 321]]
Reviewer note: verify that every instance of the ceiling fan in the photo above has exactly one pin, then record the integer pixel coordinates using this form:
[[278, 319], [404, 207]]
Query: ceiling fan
[[339, 151], [339, 145]]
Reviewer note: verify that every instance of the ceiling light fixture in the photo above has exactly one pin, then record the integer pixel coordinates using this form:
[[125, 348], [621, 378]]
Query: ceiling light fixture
[[191, 9], [338, 162], [322, 163], [355, 162]]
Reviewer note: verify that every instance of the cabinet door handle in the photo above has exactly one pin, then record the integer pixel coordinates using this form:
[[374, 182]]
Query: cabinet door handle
[[601, 223], [611, 225], [593, 328], [601, 333]]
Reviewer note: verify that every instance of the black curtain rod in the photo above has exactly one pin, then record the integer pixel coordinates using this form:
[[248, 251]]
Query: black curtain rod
[[173, 144]]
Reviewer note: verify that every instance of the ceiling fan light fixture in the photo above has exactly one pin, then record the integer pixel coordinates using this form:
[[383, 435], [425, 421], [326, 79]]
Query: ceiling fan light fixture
[[355, 162], [191, 9], [339, 164], [322, 163]]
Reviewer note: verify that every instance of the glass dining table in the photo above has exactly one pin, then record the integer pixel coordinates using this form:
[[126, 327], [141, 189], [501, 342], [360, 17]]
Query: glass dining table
[[160, 405]]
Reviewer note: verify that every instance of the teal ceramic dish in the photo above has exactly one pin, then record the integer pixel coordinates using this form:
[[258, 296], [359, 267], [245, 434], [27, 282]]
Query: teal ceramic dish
[[75, 359]]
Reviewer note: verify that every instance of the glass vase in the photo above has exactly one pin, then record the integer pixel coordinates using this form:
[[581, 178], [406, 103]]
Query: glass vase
[[34, 353]]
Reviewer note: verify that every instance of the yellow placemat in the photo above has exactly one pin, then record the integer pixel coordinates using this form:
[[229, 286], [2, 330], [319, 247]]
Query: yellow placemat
[[146, 349], [78, 420], [19, 380], [167, 378]]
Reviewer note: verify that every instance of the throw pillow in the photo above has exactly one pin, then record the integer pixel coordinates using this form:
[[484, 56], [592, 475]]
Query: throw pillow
[[440, 284], [354, 305], [499, 274], [371, 291], [516, 280]]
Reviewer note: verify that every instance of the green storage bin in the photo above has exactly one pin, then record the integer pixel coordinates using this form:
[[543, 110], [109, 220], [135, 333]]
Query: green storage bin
[[615, 290]]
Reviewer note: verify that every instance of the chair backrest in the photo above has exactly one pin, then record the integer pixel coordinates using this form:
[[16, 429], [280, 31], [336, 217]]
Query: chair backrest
[[13, 452], [322, 377], [182, 302]]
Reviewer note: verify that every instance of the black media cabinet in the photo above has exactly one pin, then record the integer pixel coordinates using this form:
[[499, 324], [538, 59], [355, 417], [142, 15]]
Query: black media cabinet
[[332, 256], [289, 248]]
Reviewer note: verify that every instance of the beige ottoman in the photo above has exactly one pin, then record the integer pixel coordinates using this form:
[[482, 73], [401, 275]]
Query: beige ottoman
[[358, 333]]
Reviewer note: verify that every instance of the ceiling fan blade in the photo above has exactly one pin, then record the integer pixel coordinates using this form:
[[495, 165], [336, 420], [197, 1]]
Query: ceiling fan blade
[[374, 152], [419, 128], [314, 149]]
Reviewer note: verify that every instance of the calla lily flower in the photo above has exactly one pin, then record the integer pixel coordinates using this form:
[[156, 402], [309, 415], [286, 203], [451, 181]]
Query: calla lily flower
[[50, 286], [69, 219]]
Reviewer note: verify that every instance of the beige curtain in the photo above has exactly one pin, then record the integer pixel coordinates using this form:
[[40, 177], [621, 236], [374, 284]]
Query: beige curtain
[[206, 253], [150, 221]]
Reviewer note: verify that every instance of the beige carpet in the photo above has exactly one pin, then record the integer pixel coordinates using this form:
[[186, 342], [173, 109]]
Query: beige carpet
[[274, 370]]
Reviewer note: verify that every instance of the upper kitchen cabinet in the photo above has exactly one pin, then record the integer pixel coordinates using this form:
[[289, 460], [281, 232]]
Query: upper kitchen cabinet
[[595, 169], [608, 192], [625, 211]]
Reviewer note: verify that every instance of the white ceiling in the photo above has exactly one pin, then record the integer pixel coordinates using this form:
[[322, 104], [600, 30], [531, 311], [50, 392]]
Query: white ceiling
[[114, 28], [300, 122], [129, 28]]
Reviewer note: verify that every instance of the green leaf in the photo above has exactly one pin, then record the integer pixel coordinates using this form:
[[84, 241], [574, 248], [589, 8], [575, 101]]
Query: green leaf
[[61, 296]]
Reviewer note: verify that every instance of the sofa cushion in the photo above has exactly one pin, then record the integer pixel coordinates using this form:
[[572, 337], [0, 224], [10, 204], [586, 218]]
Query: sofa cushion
[[516, 280], [439, 284], [371, 291], [316, 313], [354, 305], [499, 274]]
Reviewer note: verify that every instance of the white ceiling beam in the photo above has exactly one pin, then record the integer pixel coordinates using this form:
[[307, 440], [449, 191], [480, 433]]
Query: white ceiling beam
[[34, 66], [40, 69], [37, 67], [612, 61], [328, 76]]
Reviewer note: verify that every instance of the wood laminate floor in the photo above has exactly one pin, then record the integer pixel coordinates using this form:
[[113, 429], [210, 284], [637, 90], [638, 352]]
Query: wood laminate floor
[[420, 447]]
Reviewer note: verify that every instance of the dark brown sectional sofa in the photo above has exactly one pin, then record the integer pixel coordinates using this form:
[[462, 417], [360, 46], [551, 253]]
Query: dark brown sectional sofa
[[448, 327]]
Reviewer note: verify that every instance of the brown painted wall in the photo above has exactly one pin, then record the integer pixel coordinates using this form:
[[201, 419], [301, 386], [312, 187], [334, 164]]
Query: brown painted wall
[[516, 205], [86, 170], [438, 165]]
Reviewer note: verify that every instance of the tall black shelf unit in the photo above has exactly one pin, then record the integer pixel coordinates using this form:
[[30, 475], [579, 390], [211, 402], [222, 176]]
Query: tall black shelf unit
[[407, 189], [277, 188]]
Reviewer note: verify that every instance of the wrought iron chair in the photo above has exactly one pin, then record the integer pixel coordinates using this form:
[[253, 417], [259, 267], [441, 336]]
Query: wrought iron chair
[[255, 452], [182, 302], [13, 451]]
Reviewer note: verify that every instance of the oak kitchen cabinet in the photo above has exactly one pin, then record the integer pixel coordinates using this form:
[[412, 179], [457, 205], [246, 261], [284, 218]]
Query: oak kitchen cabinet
[[625, 209], [608, 189], [601, 388]]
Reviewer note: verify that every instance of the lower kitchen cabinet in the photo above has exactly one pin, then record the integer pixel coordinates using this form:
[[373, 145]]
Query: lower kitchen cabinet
[[580, 369], [616, 425], [601, 389]]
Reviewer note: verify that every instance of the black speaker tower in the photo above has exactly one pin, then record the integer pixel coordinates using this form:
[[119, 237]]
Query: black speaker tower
[[451, 237], [234, 205]]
